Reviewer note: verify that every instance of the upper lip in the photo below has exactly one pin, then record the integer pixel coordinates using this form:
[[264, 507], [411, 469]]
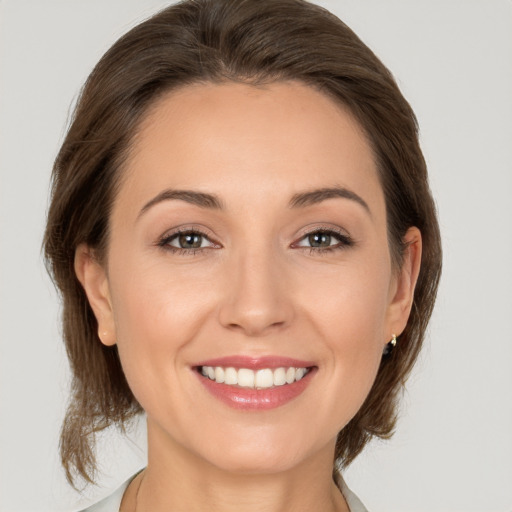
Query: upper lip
[[256, 363]]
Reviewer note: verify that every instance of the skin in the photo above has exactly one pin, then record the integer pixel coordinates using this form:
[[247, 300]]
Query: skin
[[255, 288]]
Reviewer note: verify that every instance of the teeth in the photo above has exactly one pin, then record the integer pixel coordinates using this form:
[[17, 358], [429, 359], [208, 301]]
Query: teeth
[[279, 377], [264, 378], [247, 378], [219, 374], [299, 373], [230, 376]]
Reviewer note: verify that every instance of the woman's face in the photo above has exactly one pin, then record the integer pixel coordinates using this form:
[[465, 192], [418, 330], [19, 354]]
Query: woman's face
[[248, 238]]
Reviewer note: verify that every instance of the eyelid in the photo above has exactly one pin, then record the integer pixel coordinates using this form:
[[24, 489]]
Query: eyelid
[[324, 228]]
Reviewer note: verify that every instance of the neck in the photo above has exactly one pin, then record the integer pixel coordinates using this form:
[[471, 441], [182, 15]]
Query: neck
[[178, 480]]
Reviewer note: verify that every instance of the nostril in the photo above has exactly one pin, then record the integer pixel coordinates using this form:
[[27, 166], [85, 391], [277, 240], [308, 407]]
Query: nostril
[[255, 304], [255, 328]]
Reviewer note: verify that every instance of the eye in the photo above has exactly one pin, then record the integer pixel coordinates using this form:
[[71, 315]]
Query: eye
[[319, 239], [189, 240], [324, 239]]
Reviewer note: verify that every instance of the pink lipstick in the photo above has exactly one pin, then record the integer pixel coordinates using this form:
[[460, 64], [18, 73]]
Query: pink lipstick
[[255, 383]]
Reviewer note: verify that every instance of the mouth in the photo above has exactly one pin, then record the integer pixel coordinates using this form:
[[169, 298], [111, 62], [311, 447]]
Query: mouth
[[264, 378], [255, 383]]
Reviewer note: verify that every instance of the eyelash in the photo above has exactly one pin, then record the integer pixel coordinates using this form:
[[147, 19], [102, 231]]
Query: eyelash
[[344, 241], [165, 241]]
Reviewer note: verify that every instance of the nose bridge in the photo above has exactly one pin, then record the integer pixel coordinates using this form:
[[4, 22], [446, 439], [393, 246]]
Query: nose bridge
[[256, 296]]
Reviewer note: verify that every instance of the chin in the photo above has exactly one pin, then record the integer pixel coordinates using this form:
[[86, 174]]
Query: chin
[[261, 454], [251, 463]]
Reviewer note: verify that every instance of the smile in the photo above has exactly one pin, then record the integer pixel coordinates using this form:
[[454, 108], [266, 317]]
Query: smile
[[264, 378], [255, 383]]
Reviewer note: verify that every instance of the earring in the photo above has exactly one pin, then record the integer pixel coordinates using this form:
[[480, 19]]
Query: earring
[[390, 346]]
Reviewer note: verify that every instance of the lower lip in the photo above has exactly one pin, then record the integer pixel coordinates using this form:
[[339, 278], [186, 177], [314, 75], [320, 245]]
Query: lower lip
[[256, 399]]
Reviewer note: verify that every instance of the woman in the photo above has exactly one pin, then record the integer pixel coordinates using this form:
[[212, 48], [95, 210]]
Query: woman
[[247, 249]]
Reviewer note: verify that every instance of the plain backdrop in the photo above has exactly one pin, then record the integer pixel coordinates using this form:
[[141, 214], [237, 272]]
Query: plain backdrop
[[453, 61]]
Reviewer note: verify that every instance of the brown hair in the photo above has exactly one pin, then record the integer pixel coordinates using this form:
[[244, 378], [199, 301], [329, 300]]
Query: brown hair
[[252, 41]]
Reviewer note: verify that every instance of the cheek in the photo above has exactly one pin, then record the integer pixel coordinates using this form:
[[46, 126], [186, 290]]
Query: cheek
[[349, 314], [157, 299], [157, 314], [350, 304]]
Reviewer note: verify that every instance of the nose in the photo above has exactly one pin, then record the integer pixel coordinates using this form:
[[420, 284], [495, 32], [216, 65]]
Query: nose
[[257, 298]]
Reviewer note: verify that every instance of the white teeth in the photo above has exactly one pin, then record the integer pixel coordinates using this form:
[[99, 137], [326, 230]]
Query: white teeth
[[246, 378], [219, 374], [279, 376], [230, 376], [260, 379], [264, 378], [299, 373], [290, 375]]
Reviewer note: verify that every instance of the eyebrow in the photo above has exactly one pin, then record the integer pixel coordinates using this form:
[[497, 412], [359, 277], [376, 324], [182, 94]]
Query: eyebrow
[[316, 196], [211, 201], [200, 199]]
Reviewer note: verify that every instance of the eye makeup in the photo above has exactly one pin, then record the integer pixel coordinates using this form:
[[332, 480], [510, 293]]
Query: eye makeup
[[189, 241]]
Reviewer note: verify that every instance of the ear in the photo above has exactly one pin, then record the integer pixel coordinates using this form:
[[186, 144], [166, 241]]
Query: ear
[[402, 292], [93, 278]]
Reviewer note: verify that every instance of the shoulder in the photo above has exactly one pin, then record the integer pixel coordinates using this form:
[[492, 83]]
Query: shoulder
[[353, 502], [112, 502]]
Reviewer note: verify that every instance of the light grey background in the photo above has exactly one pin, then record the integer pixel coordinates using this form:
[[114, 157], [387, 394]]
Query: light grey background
[[453, 60]]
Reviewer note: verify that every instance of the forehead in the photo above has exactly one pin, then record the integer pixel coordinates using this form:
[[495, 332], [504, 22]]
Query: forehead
[[279, 138]]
